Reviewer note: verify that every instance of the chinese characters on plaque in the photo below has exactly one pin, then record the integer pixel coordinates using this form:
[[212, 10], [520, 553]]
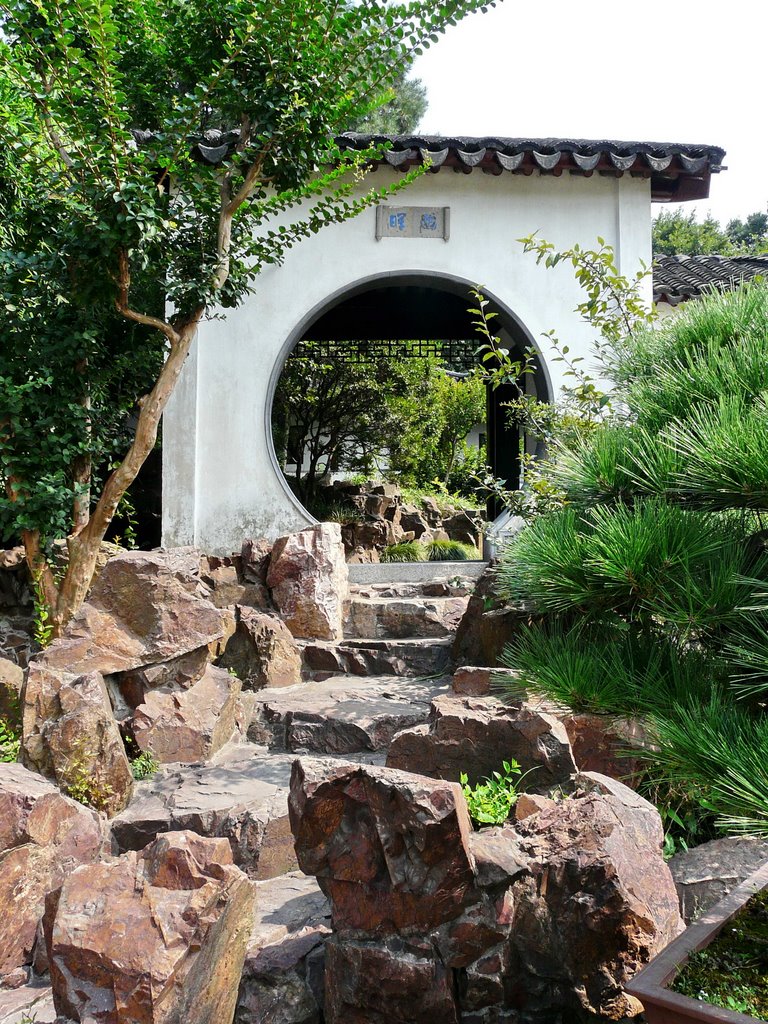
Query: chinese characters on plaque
[[413, 222]]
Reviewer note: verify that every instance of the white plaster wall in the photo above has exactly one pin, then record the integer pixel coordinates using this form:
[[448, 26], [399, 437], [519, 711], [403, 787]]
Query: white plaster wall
[[221, 482]]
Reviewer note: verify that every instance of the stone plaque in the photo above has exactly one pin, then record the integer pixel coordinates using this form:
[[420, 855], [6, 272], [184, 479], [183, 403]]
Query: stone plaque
[[413, 222]]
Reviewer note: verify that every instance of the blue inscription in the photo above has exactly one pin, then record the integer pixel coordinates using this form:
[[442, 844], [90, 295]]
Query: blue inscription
[[428, 222]]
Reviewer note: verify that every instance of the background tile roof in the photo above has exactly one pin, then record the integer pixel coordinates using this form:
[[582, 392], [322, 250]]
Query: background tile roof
[[676, 278]]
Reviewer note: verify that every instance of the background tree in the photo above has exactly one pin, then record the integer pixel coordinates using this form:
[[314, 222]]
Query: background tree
[[398, 115], [677, 233], [103, 215]]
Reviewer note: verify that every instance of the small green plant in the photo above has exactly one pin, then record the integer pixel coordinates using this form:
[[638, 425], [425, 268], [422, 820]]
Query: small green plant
[[144, 765], [450, 551], [9, 742], [408, 551], [79, 781], [490, 802], [41, 613]]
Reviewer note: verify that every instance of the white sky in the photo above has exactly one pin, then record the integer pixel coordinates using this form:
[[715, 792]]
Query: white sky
[[658, 70]]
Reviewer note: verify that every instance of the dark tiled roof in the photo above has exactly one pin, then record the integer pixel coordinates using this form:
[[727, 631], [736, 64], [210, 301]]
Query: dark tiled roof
[[676, 278], [677, 171]]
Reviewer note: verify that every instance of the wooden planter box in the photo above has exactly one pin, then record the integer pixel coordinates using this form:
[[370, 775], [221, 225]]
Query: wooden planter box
[[649, 986]]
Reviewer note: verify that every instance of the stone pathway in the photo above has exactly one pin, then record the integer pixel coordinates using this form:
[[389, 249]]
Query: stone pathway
[[358, 695]]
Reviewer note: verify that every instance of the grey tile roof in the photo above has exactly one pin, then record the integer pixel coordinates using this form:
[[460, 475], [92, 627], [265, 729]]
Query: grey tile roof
[[676, 278], [677, 171]]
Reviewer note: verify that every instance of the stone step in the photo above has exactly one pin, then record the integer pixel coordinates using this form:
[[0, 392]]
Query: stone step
[[400, 618], [342, 715], [456, 586], [414, 572], [241, 795], [369, 657]]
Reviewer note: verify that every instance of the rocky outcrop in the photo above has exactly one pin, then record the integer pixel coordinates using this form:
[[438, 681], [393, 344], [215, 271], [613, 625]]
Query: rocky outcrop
[[262, 651], [70, 734], [602, 743], [189, 725], [146, 607], [475, 681], [152, 938], [538, 921], [474, 735], [282, 980], [309, 580], [242, 797], [705, 874], [175, 674], [43, 837]]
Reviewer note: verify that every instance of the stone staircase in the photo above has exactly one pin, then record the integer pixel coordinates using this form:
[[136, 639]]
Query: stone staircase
[[396, 626]]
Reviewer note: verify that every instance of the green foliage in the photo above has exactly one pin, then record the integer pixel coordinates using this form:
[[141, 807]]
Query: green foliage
[[408, 551], [102, 230], [403, 107], [144, 765], [10, 742], [677, 233], [78, 781], [490, 801], [41, 614], [450, 551]]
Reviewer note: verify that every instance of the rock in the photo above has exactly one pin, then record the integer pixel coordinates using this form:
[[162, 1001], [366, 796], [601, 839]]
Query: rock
[[254, 559], [488, 625], [386, 984], [70, 734], [17, 636], [389, 849], [228, 590], [12, 558], [176, 674], [189, 725], [387, 489], [474, 681], [531, 803], [412, 521], [43, 836], [242, 798], [409, 657], [153, 937], [600, 743], [262, 651], [413, 617], [341, 716], [291, 924], [705, 874], [309, 580], [146, 607], [31, 1003], [464, 527], [11, 680], [474, 735], [596, 904], [377, 505]]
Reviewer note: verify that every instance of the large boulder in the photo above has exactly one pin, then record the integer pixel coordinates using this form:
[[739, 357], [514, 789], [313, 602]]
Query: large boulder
[[474, 735], [488, 625], [705, 874], [146, 607], [604, 744], [309, 580], [262, 651], [389, 849], [541, 920], [175, 674], [597, 903], [152, 938], [43, 837], [70, 734], [189, 725]]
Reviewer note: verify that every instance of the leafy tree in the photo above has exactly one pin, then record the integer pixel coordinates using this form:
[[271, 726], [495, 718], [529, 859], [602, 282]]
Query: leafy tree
[[102, 216], [678, 233], [400, 114]]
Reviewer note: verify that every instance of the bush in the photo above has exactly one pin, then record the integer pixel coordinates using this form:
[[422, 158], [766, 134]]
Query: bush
[[490, 802], [409, 551], [450, 551], [144, 765], [10, 742]]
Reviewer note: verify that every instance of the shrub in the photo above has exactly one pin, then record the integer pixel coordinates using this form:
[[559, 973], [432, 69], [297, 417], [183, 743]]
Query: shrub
[[408, 551], [10, 742], [490, 802], [450, 551], [144, 765]]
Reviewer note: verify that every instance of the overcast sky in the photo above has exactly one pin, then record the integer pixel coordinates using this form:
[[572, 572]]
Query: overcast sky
[[679, 71]]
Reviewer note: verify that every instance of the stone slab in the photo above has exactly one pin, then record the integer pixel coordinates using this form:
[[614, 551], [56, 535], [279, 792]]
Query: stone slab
[[393, 572]]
